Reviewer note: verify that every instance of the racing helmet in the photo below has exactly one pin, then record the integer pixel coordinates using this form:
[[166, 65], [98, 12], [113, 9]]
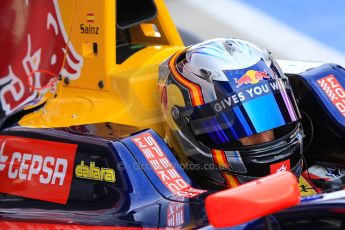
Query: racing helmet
[[218, 93]]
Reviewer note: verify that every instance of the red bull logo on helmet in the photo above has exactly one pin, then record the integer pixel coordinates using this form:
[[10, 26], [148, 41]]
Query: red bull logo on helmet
[[36, 51], [251, 77]]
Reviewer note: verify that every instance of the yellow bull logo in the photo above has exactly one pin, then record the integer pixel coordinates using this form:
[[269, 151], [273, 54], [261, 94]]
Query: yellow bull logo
[[251, 77]]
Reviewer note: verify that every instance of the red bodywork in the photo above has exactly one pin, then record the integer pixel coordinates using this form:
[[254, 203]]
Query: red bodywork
[[30, 61]]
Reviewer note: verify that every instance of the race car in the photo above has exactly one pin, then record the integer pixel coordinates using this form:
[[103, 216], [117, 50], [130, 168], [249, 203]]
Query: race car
[[82, 137]]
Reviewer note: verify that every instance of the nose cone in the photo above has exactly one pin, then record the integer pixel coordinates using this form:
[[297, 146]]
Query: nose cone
[[252, 200]]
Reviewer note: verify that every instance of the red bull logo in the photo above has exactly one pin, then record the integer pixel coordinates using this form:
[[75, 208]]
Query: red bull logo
[[251, 77], [36, 50]]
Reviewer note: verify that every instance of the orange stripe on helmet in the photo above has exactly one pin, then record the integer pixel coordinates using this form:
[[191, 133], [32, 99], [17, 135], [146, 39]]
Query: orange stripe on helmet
[[219, 158], [193, 88], [231, 180], [221, 162]]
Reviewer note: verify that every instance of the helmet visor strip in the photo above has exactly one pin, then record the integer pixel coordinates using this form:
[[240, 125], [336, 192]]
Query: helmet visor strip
[[248, 111]]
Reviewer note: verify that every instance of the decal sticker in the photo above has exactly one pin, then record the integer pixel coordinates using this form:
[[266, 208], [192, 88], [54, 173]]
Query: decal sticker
[[94, 173], [90, 17], [175, 214], [249, 93], [88, 28], [334, 91], [280, 167], [334, 172], [306, 187], [163, 168], [33, 59], [36, 169], [251, 77], [325, 173]]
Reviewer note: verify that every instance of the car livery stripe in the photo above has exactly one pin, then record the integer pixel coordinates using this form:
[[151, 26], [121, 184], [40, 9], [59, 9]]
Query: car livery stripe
[[163, 168], [221, 162], [36, 169], [193, 88]]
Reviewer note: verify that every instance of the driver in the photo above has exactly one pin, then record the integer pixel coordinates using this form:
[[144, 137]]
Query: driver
[[230, 113]]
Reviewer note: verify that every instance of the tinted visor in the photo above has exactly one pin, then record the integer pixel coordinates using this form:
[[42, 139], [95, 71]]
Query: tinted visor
[[250, 110]]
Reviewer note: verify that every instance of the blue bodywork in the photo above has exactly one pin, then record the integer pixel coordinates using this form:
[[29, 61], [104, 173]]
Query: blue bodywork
[[139, 197]]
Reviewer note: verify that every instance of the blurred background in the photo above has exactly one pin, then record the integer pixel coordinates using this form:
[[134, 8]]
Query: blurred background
[[293, 29]]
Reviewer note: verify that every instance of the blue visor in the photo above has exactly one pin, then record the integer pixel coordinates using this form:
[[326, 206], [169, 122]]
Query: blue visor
[[250, 110]]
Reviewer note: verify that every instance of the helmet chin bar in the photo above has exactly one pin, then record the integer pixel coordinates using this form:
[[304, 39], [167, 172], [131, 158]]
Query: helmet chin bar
[[265, 155], [296, 170]]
